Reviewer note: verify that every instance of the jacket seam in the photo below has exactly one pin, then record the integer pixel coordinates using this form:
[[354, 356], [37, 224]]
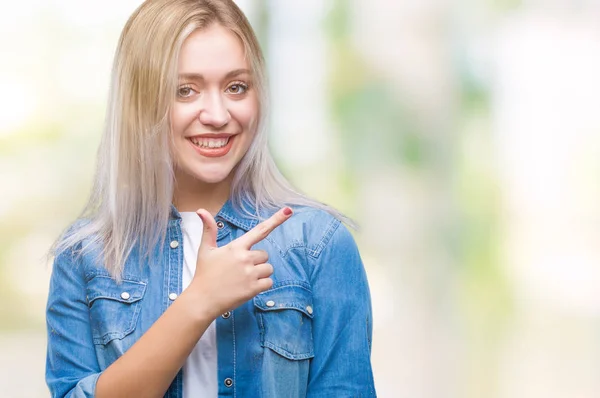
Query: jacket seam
[[318, 249]]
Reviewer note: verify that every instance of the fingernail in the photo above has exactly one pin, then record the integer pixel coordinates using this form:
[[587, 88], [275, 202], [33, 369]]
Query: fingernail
[[287, 211]]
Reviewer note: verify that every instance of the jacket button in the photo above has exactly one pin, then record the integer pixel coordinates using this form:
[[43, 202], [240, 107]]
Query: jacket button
[[172, 296], [309, 309], [228, 382], [125, 296], [270, 303], [220, 224], [174, 244], [226, 315]]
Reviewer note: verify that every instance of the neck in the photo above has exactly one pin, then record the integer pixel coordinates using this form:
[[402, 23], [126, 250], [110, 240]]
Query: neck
[[190, 194]]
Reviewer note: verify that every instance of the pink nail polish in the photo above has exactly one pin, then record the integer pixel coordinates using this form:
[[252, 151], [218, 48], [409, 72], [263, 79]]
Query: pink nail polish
[[287, 211]]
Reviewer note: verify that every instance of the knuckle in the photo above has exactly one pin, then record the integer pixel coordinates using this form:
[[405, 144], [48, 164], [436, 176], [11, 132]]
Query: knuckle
[[243, 256], [263, 230]]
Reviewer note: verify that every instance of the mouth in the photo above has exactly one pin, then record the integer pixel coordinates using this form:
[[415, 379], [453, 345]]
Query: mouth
[[209, 143], [212, 146]]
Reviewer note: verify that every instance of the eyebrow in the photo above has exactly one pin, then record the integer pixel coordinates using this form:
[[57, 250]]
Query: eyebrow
[[197, 76]]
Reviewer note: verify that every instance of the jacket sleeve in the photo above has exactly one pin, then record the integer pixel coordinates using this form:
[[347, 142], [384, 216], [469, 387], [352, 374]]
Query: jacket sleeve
[[342, 322], [72, 369]]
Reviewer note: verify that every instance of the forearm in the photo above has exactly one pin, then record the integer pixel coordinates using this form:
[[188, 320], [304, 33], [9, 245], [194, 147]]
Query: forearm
[[150, 365]]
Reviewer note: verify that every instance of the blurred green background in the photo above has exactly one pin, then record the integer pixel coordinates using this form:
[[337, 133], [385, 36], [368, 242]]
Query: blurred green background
[[462, 136]]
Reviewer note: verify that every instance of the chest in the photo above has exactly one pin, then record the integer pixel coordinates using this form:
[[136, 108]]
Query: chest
[[265, 345]]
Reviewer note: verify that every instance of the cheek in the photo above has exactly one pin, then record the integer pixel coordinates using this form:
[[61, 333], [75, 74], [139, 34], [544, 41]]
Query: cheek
[[247, 115], [181, 117]]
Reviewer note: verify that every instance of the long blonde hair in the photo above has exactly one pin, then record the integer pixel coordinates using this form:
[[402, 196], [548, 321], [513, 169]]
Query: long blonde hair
[[132, 193]]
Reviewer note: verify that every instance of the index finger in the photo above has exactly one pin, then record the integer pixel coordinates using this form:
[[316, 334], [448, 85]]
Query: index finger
[[263, 229]]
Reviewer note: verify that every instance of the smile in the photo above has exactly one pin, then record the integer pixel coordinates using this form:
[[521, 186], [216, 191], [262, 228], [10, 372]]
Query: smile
[[203, 142], [212, 147]]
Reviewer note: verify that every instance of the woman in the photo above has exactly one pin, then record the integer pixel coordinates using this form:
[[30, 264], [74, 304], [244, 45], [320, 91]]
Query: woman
[[197, 270]]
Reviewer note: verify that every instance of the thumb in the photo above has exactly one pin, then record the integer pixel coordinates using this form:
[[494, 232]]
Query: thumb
[[209, 236]]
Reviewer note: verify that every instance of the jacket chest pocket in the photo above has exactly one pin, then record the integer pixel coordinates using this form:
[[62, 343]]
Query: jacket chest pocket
[[285, 315], [114, 308]]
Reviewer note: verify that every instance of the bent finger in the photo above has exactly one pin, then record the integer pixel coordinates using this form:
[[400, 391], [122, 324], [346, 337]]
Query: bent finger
[[263, 284], [263, 270], [259, 256]]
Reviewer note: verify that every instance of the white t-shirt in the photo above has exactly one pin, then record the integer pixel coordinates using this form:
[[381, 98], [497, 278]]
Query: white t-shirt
[[200, 368]]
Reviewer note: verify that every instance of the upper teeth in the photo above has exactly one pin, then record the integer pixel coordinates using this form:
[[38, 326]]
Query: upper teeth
[[210, 142]]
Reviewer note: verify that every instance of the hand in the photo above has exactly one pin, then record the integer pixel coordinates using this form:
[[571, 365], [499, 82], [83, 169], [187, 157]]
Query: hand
[[230, 275]]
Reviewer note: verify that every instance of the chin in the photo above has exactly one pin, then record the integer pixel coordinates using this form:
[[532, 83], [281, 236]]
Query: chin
[[212, 178]]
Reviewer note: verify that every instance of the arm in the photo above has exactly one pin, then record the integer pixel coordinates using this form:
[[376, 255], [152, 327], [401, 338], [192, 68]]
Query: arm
[[150, 365], [147, 369], [342, 325], [71, 366], [225, 278]]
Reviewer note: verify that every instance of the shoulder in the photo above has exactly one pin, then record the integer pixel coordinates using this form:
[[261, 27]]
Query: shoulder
[[313, 229], [77, 246]]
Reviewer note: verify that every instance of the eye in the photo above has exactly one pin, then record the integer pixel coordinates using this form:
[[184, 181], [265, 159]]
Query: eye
[[185, 92], [237, 88]]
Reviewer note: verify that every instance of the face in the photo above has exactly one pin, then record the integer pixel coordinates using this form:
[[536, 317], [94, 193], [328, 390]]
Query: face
[[214, 117]]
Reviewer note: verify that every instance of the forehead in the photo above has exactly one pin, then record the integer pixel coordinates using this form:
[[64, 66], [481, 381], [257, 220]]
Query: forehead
[[212, 52]]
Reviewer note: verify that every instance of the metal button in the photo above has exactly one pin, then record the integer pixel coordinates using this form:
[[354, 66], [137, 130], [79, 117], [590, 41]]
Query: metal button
[[172, 296], [125, 296], [228, 382], [220, 224], [174, 244], [270, 303], [226, 315], [309, 309]]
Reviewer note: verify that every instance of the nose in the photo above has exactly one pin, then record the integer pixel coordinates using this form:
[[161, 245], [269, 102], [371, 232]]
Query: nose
[[214, 111]]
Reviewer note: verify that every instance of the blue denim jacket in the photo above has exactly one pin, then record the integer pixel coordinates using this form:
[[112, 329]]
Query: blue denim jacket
[[315, 341]]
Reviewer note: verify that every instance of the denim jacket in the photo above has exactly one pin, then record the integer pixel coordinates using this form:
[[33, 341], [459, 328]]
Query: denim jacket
[[307, 336]]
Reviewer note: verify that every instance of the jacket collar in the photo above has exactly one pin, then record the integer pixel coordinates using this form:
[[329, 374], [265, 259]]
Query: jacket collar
[[230, 213], [243, 216]]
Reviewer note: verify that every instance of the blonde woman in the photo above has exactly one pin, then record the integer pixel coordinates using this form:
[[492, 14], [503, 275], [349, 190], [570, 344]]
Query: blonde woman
[[196, 270]]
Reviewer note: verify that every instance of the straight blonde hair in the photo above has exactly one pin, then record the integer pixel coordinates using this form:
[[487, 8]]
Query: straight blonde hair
[[130, 202]]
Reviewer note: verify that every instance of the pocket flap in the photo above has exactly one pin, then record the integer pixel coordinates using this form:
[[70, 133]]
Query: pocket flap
[[105, 287], [286, 296]]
